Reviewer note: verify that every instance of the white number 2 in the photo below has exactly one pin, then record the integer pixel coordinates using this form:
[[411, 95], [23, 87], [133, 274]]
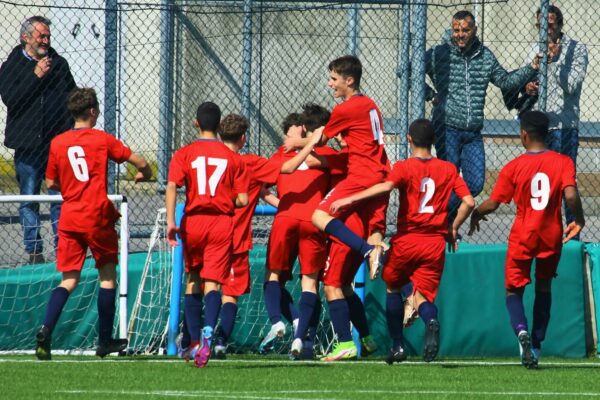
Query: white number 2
[[199, 164], [427, 187], [376, 126], [77, 159], [540, 191]]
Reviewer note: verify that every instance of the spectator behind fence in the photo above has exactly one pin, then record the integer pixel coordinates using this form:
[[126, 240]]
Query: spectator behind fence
[[567, 65], [34, 84], [461, 69]]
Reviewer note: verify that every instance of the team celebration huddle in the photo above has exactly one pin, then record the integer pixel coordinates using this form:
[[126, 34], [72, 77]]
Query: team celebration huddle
[[331, 182]]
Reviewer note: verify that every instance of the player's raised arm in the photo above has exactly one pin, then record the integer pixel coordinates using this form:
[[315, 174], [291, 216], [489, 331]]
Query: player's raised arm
[[373, 191], [170, 200], [574, 203], [291, 143], [292, 164], [144, 171]]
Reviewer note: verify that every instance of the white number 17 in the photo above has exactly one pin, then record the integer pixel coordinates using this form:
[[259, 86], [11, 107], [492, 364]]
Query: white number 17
[[199, 164]]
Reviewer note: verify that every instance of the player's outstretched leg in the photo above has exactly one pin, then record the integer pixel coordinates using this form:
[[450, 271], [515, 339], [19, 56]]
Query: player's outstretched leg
[[394, 310], [57, 301], [228, 314], [43, 341], [273, 294], [340, 318], [541, 315], [358, 318], [306, 306], [212, 307], [431, 343], [106, 316]]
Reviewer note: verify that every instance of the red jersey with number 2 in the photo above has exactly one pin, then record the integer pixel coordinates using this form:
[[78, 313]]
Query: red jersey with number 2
[[535, 181], [213, 176], [425, 187], [78, 160]]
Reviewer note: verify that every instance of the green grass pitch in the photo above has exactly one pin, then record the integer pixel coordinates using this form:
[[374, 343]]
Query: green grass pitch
[[273, 378]]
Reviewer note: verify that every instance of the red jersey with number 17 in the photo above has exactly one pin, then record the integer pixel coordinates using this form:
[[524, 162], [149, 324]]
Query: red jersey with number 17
[[78, 160], [425, 186], [535, 181], [213, 176], [359, 121]]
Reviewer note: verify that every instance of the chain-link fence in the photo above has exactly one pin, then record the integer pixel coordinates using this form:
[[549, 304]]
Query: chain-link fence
[[153, 63]]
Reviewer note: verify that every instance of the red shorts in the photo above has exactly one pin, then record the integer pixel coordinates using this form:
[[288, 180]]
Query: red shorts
[[343, 262], [237, 282], [207, 245], [291, 238], [417, 258], [517, 273], [72, 248], [372, 211]]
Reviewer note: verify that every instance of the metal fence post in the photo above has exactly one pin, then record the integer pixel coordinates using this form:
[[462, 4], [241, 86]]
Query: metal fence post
[[353, 30], [543, 72], [404, 75], [110, 80], [417, 77]]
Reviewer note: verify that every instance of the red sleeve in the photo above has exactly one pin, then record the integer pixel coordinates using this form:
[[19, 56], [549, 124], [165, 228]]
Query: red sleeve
[[177, 169], [337, 163], [52, 168], [568, 173], [397, 175], [241, 179], [117, 151], [337, 123], [504, 189], [265, 170]]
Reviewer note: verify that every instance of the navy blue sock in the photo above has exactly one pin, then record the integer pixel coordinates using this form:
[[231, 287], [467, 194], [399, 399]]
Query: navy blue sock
[[338, 229], [212, 306], [541, 317], [427, 311], [306, 306], [358, 315], [516, 311], [185, 335], [394, 313], [340, 318], [57, 301], [314, 321], [287, 307], [192, 307], [228, 313], [106, 313], [273, 300], [407, 289]]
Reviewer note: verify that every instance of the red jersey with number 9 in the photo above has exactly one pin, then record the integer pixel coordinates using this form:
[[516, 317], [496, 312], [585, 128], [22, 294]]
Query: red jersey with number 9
[[78, 160], [535, 181], [425, 187], [359, 122], [212, 174]]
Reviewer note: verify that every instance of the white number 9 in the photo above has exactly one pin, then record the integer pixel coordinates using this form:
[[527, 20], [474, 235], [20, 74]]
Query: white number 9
[[540, 191]]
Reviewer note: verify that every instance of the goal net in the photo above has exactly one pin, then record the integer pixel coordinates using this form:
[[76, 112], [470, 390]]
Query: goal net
[[26, 285]]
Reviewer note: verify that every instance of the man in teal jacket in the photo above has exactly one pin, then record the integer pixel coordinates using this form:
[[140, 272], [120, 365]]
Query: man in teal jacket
[[461, 69]]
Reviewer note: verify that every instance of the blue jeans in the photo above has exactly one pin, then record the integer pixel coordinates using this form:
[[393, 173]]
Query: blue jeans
[[465, 150], [564, 141], [31, 170]]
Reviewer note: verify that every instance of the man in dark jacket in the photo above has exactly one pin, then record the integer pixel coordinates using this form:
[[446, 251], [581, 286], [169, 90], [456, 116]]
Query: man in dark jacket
[[34, 84], [461, 69]]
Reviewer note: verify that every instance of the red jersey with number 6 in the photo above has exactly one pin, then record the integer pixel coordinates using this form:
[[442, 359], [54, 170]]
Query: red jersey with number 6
[[535, 181], [213, 176], [78, 160], [359, 122], [425, 187]]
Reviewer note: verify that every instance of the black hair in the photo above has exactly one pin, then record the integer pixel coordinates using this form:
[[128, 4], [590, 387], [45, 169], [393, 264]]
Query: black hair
[[553, 10], [348, 66], [208, 116], [535, 123], [422, 133], [291, 120], [314, 116], [464, 14]]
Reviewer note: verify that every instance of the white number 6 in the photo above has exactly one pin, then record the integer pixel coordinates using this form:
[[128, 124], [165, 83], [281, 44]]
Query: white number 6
[[76, 158]]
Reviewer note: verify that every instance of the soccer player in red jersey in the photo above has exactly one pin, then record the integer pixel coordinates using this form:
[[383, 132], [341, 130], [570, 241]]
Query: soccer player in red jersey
[[417, 250], [216, 182], [261, 171], [77, 168], [536, 182]]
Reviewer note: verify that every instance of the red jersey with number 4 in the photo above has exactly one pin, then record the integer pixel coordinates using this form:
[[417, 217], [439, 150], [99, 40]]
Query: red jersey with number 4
[[78, 160], [359, 121], [261, 171], [213, 176], [535, 181], [425, 187]]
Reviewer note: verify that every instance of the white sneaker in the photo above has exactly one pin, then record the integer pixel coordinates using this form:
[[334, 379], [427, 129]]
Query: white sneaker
[[528, 358], [277, 330], [296, 350]]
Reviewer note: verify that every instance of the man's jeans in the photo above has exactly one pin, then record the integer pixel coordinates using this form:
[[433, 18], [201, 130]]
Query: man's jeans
[[564, 141], [31, 170], [465, 150]]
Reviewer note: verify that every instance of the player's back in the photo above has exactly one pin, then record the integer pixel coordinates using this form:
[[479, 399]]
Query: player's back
[[79, 159], [535, 181], [425, 186], [213, 176]]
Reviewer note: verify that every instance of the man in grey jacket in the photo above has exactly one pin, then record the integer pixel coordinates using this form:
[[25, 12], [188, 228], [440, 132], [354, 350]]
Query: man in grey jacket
[[461, 69]]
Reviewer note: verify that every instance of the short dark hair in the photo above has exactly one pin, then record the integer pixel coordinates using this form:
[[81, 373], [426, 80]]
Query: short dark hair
[[208, 116], [535, 123], [233, 127], [291, 120], [422, 133], [553, 10], [314, 116], [80, 101], [348, 66], [464, 14]]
